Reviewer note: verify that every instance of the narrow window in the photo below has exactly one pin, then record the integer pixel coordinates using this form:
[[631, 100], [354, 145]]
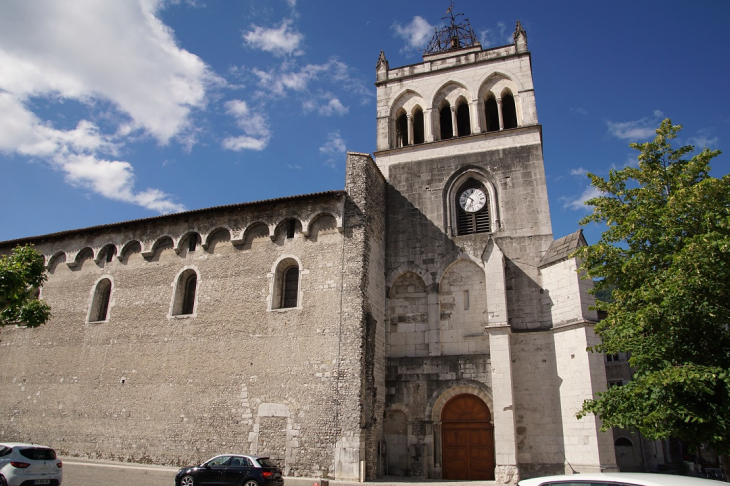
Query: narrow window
[[418, 127], [509, 113], [447, 130], [463, 123], [109, 254], [192, 241], [189, 300], [185, 291], [466, 300], [492, 114], [402, 130], [290, 228], [290, 290], [100, 303]]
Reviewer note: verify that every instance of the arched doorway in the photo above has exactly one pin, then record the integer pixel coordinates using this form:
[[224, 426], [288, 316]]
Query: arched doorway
[[626, 459], [467, 439]]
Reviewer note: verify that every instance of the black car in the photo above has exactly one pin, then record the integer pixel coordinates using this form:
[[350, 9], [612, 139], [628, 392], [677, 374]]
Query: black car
[[232, 469]]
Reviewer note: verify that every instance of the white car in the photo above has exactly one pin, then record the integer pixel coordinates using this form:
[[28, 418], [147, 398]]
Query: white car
[[619, 479], [29, 465]]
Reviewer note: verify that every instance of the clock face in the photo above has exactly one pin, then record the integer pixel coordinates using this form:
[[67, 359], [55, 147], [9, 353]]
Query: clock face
[[472, 200]]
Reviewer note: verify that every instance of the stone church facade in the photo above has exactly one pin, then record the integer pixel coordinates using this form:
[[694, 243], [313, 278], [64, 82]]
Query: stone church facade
[[421, 322]]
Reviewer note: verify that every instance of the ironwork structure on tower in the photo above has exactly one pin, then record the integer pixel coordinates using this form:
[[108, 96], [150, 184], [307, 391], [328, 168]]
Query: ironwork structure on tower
[[457, 35]]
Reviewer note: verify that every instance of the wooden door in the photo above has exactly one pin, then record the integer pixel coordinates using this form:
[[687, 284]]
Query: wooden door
[[467, 439]]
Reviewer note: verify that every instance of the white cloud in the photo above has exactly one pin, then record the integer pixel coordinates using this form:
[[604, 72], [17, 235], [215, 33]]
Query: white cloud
[[496, 37], [112, 54], [75, 153], [244, 143], [335, 144], [254, 125], [417, 33], [704, 139], [636, 130], [280, 41], [632, 160], [580, 171], [281, 81], [84, 50], [115, 180], [332, 148], [578, 203], [289, 77], [333, 107], [326, 104]]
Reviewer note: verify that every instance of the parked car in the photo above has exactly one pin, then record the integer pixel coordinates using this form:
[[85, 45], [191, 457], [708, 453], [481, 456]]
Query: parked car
[[232, 469], [619, 479], [28, 464]]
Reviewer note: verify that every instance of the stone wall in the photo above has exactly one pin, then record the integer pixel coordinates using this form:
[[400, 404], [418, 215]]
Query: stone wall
[[237, 374], [538, 425], [364, 268], [566, 295]]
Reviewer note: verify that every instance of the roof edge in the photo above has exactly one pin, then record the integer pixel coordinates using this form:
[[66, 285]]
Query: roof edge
[[31, 239]]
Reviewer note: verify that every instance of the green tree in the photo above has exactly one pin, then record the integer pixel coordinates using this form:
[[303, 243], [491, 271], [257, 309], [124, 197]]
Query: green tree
[[21, 274], [665, 256]]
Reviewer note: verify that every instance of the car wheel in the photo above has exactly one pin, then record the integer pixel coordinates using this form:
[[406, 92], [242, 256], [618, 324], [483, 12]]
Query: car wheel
[[249, 482], [2, 481], [187, 481]]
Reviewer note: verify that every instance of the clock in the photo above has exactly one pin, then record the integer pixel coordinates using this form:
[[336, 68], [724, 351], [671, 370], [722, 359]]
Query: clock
[[472, 200]]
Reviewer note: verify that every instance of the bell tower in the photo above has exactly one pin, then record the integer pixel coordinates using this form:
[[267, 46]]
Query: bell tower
[[470, 314]]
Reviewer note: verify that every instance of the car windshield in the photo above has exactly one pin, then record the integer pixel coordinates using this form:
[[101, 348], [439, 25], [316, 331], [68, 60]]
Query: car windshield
[[266, 462], [38, 453]]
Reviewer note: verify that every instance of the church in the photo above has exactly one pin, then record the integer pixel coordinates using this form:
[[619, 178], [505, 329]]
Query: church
[[421, 322]]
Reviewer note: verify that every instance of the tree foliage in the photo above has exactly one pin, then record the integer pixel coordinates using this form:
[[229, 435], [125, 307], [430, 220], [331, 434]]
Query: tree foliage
[[666, 257], [21, 274]]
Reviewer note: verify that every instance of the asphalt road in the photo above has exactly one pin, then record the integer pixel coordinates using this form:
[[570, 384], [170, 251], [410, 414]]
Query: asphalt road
[[82, 472], [89, 472]]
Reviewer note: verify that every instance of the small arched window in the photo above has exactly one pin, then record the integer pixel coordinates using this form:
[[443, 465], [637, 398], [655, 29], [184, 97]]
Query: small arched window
[[99, 311], [401, 130], [463, 121], [492, 114], [193, 241], [286, 285], [185, 293], [291, 287], [509, 112], [418, 127], [447, 129], [109, 253]]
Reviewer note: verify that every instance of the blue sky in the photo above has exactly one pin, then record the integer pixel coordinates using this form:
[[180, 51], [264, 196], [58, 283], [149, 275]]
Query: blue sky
[[119, 110]]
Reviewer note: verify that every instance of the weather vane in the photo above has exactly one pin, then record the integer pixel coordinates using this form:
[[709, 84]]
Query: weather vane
[[454, 36]]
